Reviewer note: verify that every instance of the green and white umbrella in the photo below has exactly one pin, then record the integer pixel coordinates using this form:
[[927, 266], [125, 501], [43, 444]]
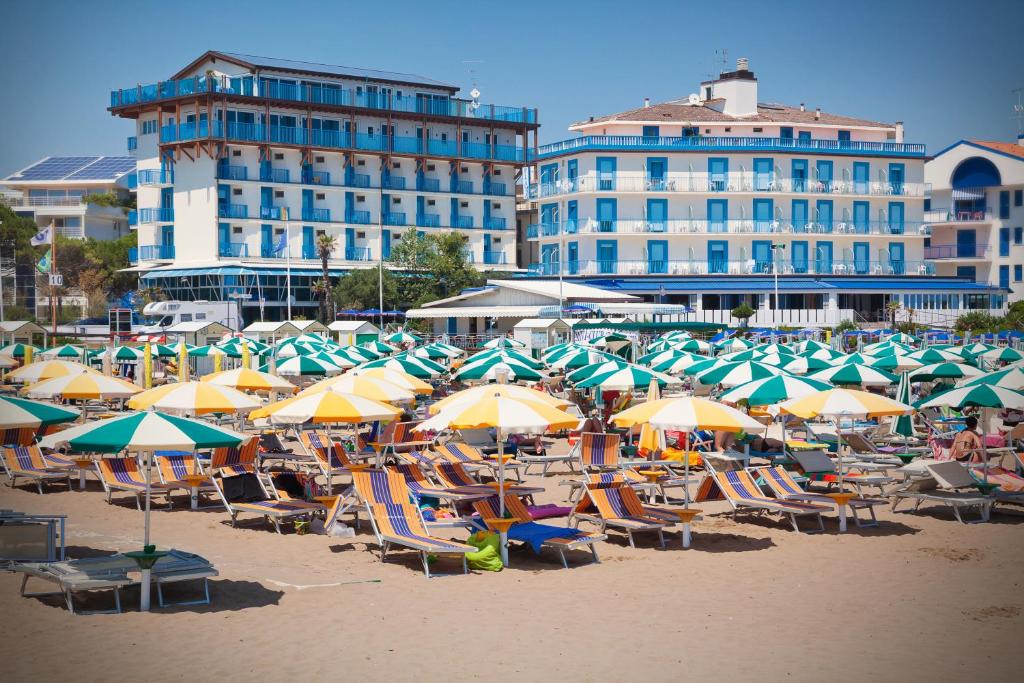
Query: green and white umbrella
[[304, 366], [165, 351], [739, 356], [771, 390], [556, 348], [895, 363], [776, 347], [496, 367], [65, 351], [854, 374], [611, 342], [16, 413], [733, 374], [690, 345], [209, 351], [589, 371], [902, 338], [700, 366], [334, 359], [975, 396], [652, 358], [504, 343], [378, 347], [1007, 378], [944, 371], [293, 349], [402, 337], [434, 352], [1002, 355], [734, 344], [811, 345], [792, 364], [521, 358], [972, 350], [578, 358], [143, 433], [18, 350], [903, 425], [931, 355], [857, 358], [630, 378], [887, 349], [826, 354], [360, 352], [423, 368], [678, 364]]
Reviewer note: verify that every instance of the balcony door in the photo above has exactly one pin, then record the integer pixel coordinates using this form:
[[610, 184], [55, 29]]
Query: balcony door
[[657, 257], [966, 243]]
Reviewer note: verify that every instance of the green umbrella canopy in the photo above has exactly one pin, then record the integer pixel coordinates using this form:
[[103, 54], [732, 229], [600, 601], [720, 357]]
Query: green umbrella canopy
[[293, 349], [903, 424], [895, 363], [360, 352], [210, 350], [21, 412], [855, 374], [521, 358], [593, 369], [811, 345], [504, 343], [18, 350], [827, 354], [1002, 355], [379, 347], [422, 368], [740, 356], [63, 351], [975, 396], [402, 337], [143, 432], [734, 344], [771, 390], [631, 377], [930, 355], [491, 369], [1009, 378], [579, 358], [303, 366], [732, 374], [702, 366], [937, 371]]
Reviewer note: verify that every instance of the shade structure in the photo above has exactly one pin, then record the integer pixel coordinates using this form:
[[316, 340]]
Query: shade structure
[[616, 343], [194, 398], [895, 363], [629, 378], [972, 350], [887, 348], [944, 371], [18, 350], [434, 352], [7, 362], [337, 359], [478, 393], [305, 366], [326, 407], [848, 403], [771, 390], [378, 347], [448, 347], [660, 356], [496, 368], [775, 347], [359, 354], [903, 425], [733, 374], [738, 356], [83, 385], [367, 387], [679, 364], [1002, 355], [854, 374], [46, 369], [827, 353], [245, 379], [857, 359], [506, 354], [208, 351], [811, 345], [67, 351], [165, 351], [691, 345], [402, 379], [697, 367], [422, 368], [402, 337], [792, 364], [293, 349], [931, 355], [504, 343], [588, 371], [20, 412], [734, 344], [1008, 378], [233, 347], [976, 396], [558, 347], [903, 338], [576, 358]]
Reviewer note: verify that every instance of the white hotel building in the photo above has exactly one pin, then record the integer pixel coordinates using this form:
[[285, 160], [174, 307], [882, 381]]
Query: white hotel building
[[705, 200], [236, 152]]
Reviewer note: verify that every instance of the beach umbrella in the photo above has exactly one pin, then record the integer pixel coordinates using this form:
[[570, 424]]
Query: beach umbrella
[[679, 364], [506, 415], [306, 366], [293, 349], [700, 366], [1008, 378], [687, 414], [506, 354], [326, 407], [659, 356], [194, 398], [83, 385], [483, 391], [575, 359], [811, 345], [857, 358], [903, 338], [423, 368], [854, 374], [396, 377], [895, 363], [611, 342], [738, 356], [209, 351], [826, 354], [631, 377], [503, 343], [367, 387], [941, 371], [448, 347], [18, 350], [732, 374], [559, 347], [8, 362], [495, 367], [886, 349], [690, 345], [903, 424], [67, 351], [234, 346], [334, 359], [143, 433], [46, 369], [599, 368], [1002, 355], [360, 354], [433, 352], [16, 413], [971, 350], [775, 348], [378, 347], [768, 391], [791, 364], [245, 379], [402, 337], [933, 355], [734, 344]]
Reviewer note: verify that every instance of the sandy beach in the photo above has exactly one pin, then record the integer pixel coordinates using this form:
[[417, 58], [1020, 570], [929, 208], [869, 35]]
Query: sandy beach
[[921, 597]]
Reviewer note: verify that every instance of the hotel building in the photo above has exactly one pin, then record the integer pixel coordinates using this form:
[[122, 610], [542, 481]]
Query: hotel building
[[716, 199], [244, 161]]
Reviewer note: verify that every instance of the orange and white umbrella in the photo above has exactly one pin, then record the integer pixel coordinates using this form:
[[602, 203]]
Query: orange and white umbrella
[[47, 369], [245, 379], [83, 385], [402, 379], [477, 393], [194, 398], [326, 407], [367, 387]]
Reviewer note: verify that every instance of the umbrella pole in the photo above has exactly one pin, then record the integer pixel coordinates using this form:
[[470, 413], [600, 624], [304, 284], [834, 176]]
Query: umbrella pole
[[503, 531], [839, 452], [146, 568], [984, 448], [686, 472]]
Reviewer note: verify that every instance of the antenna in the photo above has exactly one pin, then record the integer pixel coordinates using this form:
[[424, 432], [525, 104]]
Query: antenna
[[1018, 111], [475, 92], [724, 53]]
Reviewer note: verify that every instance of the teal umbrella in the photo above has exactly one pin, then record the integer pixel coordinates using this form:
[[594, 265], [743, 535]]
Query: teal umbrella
[[854, 374], [422, 368], [495, 367], [733, 374], [513, 354], [679, 364], [903, 424], [16, 413], [588, 371], [629, 378], [1002, 355], [18, 350], [578, 358], [402, 337], [768, 391], [66, 351], [944, 371], [1009, 378]]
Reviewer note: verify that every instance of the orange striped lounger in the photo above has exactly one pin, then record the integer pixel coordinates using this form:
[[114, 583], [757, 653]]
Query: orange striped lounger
[[782, 484], [27, 462], [741, 491], [488, 508], [620, 507], [124, 474]]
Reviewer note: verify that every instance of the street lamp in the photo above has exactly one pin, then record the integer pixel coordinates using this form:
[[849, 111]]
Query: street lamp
[[775, 272]]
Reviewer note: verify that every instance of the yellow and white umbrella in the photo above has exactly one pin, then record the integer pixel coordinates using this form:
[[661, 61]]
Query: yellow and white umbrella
[[47, 369], [245, 379], [367, 387], [194, 398], [477, 393], [6, 362], [83, 385], [326, 407], [402, 379]]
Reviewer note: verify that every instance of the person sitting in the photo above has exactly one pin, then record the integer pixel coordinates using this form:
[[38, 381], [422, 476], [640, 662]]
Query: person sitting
[[724, 441], [967, 443]]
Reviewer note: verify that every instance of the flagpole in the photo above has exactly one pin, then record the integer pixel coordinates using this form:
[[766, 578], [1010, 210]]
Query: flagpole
[[51, 276], [288, 261]]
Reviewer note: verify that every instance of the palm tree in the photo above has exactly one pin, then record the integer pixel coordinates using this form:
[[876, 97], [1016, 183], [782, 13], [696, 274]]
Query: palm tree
[[892, 308], [324, 246]]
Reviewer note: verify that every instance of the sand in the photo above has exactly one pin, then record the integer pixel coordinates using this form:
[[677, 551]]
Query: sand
[[920, 597]]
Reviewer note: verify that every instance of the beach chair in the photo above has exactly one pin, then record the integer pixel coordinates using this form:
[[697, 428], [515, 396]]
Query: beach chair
[[27, 462], [235, 459], [398, 437], [246, 493], [785, 487], [863, 448], [125, 475], [742, 493], [598, 451], [178, 567], [173, 468], [396, 521], [818, 466], [480, 439], [928, 490], [80, 576], [419, 485], [470, 457], [619, 507], [954, 476], [453, 475], [271, 447], [537, 535], [17, 436]]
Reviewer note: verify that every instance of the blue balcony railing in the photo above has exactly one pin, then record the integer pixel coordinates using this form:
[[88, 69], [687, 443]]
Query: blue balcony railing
[[133, 217], [494, 188], [358, 217], [309, 252], [271, 213], [151, 252], [739, 226], [274, 175], [495, 223], [428, 185], [462, 186], [462, 221], [724, 143], [233, 211], [715, 266], [154, 176], [394, 219], [316, 177], [133, 181], [152, 215], [357, 253], [316, 215], [493, 258], [232, 172], [428, 220], [233, 249], [392, 182], [955, 251], [358, 180]]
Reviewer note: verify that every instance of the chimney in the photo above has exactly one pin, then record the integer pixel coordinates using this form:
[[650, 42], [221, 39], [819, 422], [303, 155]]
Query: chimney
[[802, 107], [647, 102], [817, 113], [899, 131], [591, 117], [743, 64]]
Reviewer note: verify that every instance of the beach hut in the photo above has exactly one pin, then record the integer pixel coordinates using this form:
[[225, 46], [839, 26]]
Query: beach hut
[[198, 332], [540, 333], [22, 332], [351, 332]]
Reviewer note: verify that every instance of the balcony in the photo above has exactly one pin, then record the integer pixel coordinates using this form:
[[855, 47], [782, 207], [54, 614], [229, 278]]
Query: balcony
[[233, 250], [65, 201], [151, 215], [462, 186], [697, 143], [428, 185], [494, 223], [133, 217], [392, 183], [315, 215], [309, 252], [358, 180], [494, 188], [274, 175], [272, 213], [133, 144], [739, 226], [428, 220], [945, 252], [358, 217], [357, 253], [463, 222], [494, 258], [233, 211], [394, 219], [713, 267], [969, 215], [232, 172], [316, 177], [151, 252], [154, 177], [319, 93]]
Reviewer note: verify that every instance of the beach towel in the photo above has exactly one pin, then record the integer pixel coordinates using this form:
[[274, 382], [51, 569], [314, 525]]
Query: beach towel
[[548, 510], [535, 534]]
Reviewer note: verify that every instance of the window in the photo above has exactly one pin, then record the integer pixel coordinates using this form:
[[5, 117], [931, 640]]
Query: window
[[844, 136], [186, 317], [1004, 242], [1018, 197], [1004, 203], [758, 130], [1004, 277], [1018, 273], [1018, 237], [650, 132], [200, 316]]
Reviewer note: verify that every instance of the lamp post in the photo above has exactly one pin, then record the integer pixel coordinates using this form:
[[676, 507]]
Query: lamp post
[[775, 272]]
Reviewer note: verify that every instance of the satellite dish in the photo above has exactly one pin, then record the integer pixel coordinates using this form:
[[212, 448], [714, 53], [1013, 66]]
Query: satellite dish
[[693, 98], [474, 93], [474, 105]]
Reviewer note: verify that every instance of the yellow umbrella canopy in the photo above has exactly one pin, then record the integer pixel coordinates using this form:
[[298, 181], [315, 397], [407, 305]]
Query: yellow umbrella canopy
[[516, 391], [194, 398], [687, 413], [83, 385], [367, 387], [245, 379], [326, 407], [47, 369], [836, 403], [402, 379]]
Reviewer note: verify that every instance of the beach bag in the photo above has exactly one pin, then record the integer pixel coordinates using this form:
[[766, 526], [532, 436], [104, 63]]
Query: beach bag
[[488, 558]]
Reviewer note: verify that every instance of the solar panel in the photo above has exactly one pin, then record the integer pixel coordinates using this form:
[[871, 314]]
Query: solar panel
[[331, 69], [105, 167], [54, 168]]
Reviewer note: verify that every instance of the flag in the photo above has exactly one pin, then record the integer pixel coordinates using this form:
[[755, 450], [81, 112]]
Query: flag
[[44, 236], [44, 264], [282, 244]]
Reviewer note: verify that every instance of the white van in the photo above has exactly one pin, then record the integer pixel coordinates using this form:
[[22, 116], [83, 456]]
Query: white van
[[163, 314]]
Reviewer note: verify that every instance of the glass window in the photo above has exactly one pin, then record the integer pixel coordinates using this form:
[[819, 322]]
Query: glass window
[[1018, 197], [1004, 242], [1018, 236], [1018, 273], [1004, 203]]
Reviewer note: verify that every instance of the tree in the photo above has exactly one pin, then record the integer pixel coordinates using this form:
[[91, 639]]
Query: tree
[[324, 247], [436, 266], [743, 313], [111, 199], [360, 289], [845, 326], [892, 308]]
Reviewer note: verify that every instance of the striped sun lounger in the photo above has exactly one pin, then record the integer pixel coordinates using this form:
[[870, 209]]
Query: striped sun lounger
[[599, 451], [236, 459], [175, 467], [572, 539], [740, 490], [17, 436], [454, 476], [620, 507], [468, 456], [270, 508], [782, 484], [27, 462], [124, 474], [419, 485]]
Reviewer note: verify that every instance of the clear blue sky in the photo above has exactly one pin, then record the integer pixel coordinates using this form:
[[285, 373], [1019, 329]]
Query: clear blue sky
[[947, 69]]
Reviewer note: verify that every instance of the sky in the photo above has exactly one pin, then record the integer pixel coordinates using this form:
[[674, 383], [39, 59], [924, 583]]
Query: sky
[[947, 69]]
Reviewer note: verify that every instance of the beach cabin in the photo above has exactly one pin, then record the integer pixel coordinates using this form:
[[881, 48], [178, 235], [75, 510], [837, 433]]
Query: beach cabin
[[197, 332], [540, 333], [310, 327], [272, 332], [22, 332], [354, 331]]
